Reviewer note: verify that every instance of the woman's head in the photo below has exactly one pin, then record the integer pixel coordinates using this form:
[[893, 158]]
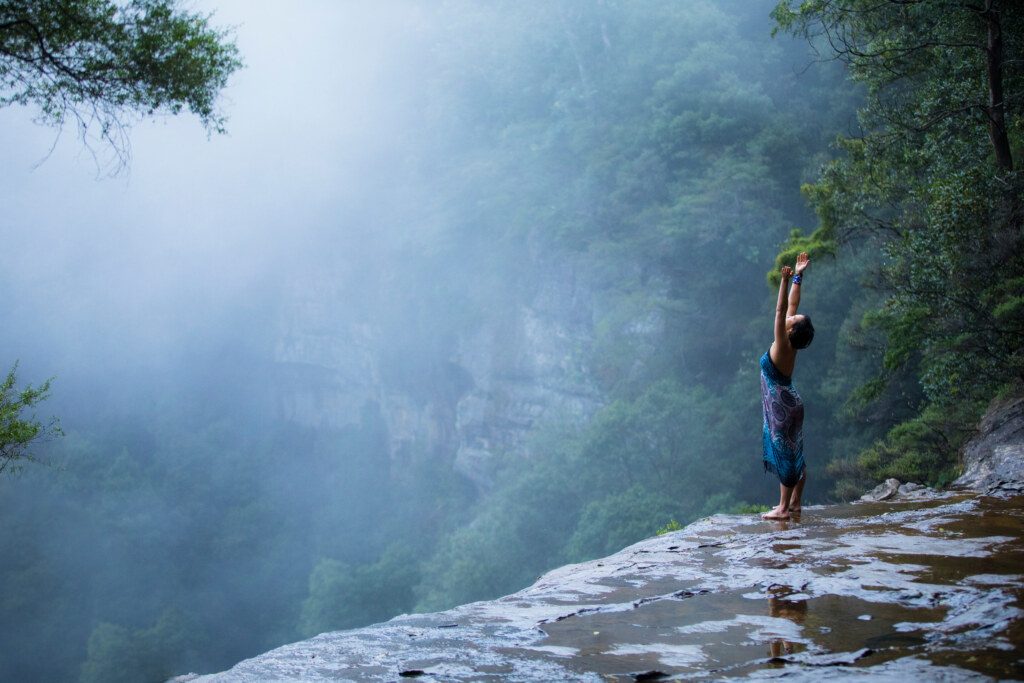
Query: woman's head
[[800, 330]]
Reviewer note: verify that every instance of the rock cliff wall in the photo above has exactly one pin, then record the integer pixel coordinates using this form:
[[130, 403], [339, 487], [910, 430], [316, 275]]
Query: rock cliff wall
[[519, 363]]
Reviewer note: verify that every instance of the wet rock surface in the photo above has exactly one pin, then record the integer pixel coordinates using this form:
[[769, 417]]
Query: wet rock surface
[[909, 590]]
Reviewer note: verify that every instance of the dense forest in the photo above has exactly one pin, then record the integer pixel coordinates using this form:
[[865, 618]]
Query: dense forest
[[658, 161]]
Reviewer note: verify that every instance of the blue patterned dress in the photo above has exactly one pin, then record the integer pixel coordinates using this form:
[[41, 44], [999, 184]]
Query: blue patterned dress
[[782, 436]]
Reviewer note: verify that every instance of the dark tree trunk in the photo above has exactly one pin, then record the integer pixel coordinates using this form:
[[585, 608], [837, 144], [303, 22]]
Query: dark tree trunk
[[996, 104]]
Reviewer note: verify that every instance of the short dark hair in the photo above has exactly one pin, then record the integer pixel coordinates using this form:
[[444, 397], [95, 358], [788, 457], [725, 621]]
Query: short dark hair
[[802, 333]]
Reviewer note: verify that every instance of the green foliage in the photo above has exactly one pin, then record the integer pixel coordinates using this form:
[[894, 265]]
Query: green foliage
[[342, 596], [511, 541], [750, 508], [817, 245], [644, 440], [672, 525], [117, 654], [923, 449], [18, 431], [607, 525], [931, 181], [92, 62]]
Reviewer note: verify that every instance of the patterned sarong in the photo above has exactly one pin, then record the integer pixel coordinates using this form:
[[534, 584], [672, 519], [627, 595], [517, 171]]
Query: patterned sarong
[[782, 436]]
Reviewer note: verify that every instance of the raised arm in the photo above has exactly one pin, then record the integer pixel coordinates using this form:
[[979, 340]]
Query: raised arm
[[781, 338], [802, 261]]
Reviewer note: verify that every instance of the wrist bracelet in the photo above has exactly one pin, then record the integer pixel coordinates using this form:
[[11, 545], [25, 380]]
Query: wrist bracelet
[[797, 279]]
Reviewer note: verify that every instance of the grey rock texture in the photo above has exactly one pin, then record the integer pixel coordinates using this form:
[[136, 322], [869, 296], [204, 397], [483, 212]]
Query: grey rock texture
[[893, 490], [887, 489], [922, 590], [994, 459], [516, 366]]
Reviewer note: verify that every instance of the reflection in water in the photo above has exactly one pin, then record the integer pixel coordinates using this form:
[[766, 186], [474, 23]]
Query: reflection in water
[[795, 611], [780, 606]]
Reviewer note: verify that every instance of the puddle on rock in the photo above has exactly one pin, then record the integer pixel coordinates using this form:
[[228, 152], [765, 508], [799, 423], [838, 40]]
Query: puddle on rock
[[903, 588], [730, 633]]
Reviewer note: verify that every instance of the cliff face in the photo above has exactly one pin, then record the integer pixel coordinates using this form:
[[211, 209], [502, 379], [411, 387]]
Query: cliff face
[[994, 459], [917, 590], [514, 366]]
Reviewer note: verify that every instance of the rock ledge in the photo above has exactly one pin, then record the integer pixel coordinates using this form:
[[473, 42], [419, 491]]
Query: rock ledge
[[921, 590]]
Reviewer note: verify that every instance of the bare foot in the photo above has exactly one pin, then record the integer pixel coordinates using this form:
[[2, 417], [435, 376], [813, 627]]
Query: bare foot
[[776, 513]]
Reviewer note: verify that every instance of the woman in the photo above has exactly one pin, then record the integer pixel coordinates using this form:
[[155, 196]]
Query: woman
[[782, 436]]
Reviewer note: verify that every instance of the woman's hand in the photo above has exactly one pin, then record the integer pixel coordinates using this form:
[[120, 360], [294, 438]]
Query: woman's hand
[[802, 261], [787, 272]]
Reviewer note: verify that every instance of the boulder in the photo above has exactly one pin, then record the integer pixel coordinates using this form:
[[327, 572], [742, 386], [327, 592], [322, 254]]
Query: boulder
[[884, 491], [892, 490]]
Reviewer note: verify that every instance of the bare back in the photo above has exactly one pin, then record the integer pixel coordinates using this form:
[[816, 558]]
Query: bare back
[[783, 356]]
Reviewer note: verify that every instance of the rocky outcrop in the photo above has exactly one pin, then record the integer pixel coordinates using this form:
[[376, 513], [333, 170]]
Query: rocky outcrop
[[519, 364], [994, 459], [923, 590], [528, 366], [893, 490]]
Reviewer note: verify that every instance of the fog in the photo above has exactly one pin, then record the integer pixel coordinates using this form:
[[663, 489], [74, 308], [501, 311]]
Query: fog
[[129, 266], [467, 290]]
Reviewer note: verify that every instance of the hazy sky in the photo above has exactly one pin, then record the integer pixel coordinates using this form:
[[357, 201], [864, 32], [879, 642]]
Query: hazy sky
[[159, 250]]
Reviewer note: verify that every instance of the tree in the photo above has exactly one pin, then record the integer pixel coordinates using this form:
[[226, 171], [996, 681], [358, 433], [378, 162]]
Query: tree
[[930, 181], [99, 64], [17, 432], [960, 53], [115, 653], [342, 596]]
